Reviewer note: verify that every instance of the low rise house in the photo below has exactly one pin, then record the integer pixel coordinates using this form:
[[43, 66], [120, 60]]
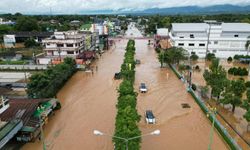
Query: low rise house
[[222, 39], [61, 45], [161, 38], [23, 118], [12, 39]]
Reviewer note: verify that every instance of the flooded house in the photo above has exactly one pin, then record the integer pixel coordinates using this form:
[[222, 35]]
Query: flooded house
[[23, 119]]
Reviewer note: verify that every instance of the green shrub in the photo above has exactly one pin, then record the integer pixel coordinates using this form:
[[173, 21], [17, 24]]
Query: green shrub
[[194, 57], [210, 56], [30, 43], [229, 59], [247, 84], [238, 71]]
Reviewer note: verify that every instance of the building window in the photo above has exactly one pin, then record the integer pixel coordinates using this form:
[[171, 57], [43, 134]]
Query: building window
[[236, 35], [191, 36], [191, 44], [48, 44], [214, 51], [70, 45], [181, 37], [215, 42], [59, 45], [70, 52], [202, 44], [180, 44]]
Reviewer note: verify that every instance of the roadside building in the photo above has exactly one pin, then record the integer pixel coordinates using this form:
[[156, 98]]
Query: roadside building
[[161, 38], [16, 39], [61, 45], [222, 39], [23, 118]]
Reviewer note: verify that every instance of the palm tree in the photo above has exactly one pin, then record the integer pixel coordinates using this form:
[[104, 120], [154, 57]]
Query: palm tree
[[247, 44]]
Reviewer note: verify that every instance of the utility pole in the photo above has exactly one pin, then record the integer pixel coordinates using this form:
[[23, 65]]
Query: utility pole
[[208, 38], [59, 52]]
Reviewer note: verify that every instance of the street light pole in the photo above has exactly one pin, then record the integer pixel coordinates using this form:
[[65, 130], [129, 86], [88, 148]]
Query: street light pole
[[212, 113], [99, 133]]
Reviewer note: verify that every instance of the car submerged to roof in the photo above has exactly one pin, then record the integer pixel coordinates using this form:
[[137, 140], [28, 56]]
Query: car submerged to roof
[[143, 88], [149, 116]]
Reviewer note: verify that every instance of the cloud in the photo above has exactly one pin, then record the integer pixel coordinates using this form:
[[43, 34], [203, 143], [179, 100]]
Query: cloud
[[76, 6]]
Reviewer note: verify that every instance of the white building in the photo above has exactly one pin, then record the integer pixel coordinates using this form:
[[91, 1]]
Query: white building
[[225, 39], [163, 32], [69, 43]]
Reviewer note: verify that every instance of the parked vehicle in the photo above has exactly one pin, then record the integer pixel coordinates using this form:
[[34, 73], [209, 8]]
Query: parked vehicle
[[117, 76], [143, 88], [149, 116]]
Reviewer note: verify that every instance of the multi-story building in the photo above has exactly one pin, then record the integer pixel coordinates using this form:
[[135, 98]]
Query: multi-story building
[[63, 44], [222, 39]]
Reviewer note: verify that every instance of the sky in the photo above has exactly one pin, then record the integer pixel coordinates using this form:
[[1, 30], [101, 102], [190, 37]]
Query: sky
[[78, 6]]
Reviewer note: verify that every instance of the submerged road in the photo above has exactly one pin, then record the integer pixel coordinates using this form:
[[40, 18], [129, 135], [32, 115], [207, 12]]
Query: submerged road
[[181, 128], [88, 103]]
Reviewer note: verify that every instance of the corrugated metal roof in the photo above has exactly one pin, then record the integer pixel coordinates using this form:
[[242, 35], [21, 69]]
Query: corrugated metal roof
[[186, 27], [199, 27], [29, 105], [236, 27]]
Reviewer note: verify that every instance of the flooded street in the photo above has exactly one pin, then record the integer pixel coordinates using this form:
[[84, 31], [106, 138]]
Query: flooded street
[[88, 103], [181, 128]]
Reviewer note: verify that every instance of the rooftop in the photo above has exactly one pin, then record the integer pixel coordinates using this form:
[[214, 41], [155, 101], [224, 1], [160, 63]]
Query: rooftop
[[202, 27], [27, 106]]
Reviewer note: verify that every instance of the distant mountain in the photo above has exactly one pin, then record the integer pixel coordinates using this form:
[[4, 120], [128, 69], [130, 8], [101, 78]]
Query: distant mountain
[[216, 9]]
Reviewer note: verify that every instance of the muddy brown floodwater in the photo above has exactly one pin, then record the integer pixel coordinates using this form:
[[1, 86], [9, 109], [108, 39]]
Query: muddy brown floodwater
[[88, 103], [181, 128]]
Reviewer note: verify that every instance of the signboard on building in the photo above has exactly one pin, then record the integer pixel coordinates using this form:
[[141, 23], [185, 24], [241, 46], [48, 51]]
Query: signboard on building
[[9, 41]]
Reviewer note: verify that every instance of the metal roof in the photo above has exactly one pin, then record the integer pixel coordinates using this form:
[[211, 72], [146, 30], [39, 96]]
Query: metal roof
[[186, 27], [236, 27], [202, 27]]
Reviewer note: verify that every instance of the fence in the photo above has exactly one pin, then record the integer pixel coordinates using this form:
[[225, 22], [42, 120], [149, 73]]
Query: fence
[[220, 128]]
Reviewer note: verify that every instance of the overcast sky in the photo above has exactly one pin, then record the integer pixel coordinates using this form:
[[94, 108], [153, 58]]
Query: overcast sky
[[76, 6]]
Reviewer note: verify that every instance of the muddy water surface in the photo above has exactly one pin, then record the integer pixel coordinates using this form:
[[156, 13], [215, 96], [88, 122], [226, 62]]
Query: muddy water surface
[[180, 128], [88, 103]]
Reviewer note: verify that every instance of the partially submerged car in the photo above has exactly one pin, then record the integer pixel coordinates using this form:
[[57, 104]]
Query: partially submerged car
[[143, 88], [137, 61], [149, 116], [117, 76]]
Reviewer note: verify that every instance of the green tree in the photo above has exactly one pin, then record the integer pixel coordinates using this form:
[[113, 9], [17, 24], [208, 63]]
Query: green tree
[[161, 58], [233, 93], [194, 57], [30, 43], [247, 117], [25, 23], [174, 55], [216, 78], [210, 56]]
